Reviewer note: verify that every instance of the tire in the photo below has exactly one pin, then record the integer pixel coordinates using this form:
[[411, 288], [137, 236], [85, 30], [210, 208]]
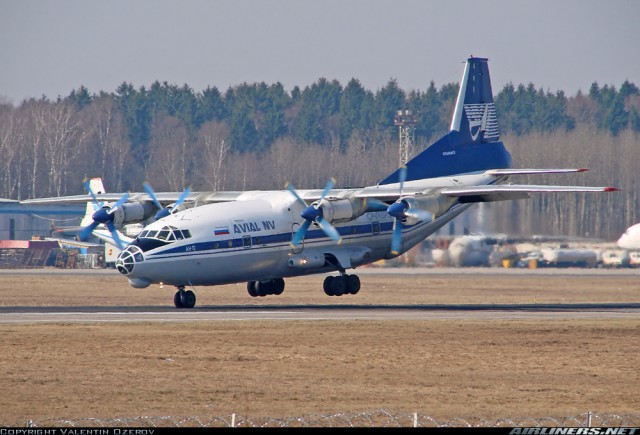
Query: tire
[[251, 289], [339, 286], [278, 286], [328, 285], [353, 284], [189, 299], [264, 288], [177, 299]]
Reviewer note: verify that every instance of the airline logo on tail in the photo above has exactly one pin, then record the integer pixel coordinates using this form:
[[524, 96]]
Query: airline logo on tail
[[482, 118]]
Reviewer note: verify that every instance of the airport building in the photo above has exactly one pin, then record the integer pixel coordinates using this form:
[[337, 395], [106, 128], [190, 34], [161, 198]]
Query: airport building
[[25, 222]]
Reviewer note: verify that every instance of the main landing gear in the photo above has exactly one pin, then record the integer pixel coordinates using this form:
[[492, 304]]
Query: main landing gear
[[264, 288], [341, 285], [184, 299]]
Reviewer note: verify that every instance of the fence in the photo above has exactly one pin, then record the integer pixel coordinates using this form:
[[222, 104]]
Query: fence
[[378, 418]]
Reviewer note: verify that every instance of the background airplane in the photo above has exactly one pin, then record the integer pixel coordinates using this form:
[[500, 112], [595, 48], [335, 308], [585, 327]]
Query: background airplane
[[262, 237], [630, 239]]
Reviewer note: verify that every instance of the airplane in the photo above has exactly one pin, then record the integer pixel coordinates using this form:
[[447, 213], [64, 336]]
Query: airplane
[[630, 239], [262, 237]]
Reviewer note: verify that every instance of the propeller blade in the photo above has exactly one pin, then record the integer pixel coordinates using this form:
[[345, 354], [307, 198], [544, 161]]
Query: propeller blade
[[402, 176], [396, 239], [166, 211], [114, 234], [299, 235], [329, 230], [183, 196], [86, 231], [291, 188], [327, 188], [121, 201], [147, 188]]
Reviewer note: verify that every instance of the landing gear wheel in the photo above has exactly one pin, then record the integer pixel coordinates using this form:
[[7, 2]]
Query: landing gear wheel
[[177, 299], [189, 299], [184, 299], [339, 285], [264, 288], [353, 284], [251, 288], [278, 286], [327, 285]]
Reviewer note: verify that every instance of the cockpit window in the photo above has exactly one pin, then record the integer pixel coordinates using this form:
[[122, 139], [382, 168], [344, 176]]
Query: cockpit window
[[149, 239]]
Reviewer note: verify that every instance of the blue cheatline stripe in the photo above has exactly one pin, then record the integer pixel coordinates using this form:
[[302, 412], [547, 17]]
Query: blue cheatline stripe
[[278, 240]]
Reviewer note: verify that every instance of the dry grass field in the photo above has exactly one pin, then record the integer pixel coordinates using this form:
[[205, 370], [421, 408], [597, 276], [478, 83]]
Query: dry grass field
[[442, 368]]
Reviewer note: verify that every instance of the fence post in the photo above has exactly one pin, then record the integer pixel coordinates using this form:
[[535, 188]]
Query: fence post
[[233, 420], [589, 419], [415, 419]]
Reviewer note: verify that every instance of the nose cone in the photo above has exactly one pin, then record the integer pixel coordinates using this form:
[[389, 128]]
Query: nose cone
[[397, 209], [127, 260], [311, 213]]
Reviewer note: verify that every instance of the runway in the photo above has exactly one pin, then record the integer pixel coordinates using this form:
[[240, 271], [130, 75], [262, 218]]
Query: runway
[[27, 315]]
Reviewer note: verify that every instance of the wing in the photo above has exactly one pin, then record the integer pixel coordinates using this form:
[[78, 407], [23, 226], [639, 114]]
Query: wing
[[165, 198]]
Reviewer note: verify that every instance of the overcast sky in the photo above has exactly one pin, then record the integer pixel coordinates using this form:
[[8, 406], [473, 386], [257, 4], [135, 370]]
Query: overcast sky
[[52, 47]]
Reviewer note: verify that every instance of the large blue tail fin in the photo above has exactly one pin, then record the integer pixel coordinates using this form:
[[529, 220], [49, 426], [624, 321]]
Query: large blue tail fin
[[473, 142]]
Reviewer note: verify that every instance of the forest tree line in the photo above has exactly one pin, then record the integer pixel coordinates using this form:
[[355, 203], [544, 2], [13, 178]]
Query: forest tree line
[[260, 136]]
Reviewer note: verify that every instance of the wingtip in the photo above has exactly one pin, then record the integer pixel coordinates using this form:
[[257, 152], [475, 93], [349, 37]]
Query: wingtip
[[583, 169], [611, 189]]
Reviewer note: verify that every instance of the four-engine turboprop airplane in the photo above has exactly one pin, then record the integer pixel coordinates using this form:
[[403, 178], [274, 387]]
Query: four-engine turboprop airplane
[[262, 237]]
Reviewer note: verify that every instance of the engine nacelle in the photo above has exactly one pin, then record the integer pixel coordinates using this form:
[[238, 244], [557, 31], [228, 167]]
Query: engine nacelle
[[432, 204], [133, 212], [343, 210], [421, 208], [307, 260]]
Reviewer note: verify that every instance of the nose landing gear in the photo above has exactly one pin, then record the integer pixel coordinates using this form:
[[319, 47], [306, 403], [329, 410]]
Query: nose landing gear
[[184, 299]]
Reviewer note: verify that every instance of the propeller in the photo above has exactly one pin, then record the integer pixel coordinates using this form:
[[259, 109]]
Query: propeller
[[313, 213], [104, 215], [400, 210], [164, 211]]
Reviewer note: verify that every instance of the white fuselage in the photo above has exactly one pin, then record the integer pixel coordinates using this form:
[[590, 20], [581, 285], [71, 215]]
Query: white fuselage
[[250, 240]]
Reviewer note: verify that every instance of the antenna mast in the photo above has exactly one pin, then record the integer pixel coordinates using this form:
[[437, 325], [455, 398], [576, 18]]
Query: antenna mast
[[406, 121]]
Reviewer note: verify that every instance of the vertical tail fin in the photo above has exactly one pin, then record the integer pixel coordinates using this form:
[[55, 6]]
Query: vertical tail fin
[[475, 112], [473, 142]]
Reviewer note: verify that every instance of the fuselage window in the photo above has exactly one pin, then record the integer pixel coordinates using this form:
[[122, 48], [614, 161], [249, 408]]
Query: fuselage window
[[143, 234], [162, 235], [186, 234]]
